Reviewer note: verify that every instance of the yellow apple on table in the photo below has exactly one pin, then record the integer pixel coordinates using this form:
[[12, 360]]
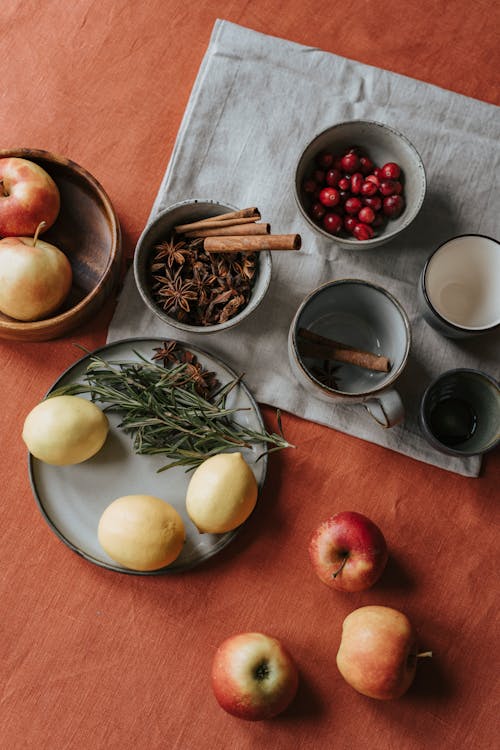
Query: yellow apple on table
[[378, 652], [35, 277]]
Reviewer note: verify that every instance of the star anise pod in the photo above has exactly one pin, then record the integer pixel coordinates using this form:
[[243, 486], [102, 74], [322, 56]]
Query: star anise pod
[[172, 252], [177, 295], [325, 373], [231, 308], [167, 353]]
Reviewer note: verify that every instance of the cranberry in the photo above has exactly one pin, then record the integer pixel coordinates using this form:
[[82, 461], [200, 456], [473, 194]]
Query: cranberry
[[332, 223], [374, 201], [378, 221], [356, 182], [350, 163], [337, 163], [372, 178], [325, 159], [329, 197], [344, 194], [391, 170], [367, 215], [378, 173], [393, 206], [386, 187], [344, 183], [319, 176], [368, 188], [317, 211], [366, 165], [363, 232], [353, 205], [349, 223], [398, 188], [309, 186], [332, 177]]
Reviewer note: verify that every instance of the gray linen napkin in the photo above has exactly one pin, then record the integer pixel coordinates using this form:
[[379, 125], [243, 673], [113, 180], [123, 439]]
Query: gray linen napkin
[[257, 101]]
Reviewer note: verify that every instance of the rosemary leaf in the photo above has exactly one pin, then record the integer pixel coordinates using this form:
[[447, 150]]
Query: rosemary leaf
[[165, 415]]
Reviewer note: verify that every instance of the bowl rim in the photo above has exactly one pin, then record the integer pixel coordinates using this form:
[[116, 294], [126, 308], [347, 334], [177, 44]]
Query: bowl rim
[[141, 248], [67, 315], [423, 276], [346, 242], [348, 395]]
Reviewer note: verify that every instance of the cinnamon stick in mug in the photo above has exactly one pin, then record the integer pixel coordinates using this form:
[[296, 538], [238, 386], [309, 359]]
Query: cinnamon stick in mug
[[252, 244], [322, 347]]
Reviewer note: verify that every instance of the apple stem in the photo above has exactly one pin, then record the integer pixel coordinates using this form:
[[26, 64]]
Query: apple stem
[[38, 230], [3, 191], [334, 575], [423, 654]]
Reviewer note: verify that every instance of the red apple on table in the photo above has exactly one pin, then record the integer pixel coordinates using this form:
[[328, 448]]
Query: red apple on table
[[253, 676], [378, 652], [28, 196], [348, 551], [35, 278]]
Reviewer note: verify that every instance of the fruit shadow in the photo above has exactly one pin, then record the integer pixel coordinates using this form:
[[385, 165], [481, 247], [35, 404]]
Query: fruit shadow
[[395, 577], [307, 704], [432, 683]]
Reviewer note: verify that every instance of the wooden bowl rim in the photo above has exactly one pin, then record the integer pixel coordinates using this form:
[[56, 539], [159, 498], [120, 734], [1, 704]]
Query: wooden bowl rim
[[47, 323]]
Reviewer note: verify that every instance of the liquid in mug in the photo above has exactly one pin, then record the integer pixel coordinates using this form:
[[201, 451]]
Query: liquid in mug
[[452, 421]]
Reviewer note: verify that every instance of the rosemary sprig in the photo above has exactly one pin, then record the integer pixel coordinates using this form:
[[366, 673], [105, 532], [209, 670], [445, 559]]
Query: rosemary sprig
[[162, 411]]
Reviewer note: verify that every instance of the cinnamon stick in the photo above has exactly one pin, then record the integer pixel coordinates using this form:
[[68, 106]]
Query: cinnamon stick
[[234, 230], [252, 244], [215, 221], [321, 347], [242, 213]]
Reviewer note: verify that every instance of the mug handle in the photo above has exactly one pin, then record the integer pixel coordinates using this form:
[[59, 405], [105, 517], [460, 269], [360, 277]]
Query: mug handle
[[386, 408]]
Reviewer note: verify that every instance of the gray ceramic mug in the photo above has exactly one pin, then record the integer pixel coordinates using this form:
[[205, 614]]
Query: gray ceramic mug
[[459, 289], [362, 316], [460, 412]]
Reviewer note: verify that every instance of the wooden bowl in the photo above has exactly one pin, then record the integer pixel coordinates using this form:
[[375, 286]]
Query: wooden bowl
[[88, 232]]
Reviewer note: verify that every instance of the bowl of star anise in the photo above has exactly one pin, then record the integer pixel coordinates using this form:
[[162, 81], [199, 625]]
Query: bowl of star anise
[[203, 266]]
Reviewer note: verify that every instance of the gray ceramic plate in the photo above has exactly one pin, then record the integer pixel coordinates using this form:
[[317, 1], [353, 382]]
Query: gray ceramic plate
[[72, 498]]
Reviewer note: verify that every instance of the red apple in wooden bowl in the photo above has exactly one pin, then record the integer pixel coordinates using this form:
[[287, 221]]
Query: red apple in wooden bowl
[[348, 551], [87, 231], [28, 197]]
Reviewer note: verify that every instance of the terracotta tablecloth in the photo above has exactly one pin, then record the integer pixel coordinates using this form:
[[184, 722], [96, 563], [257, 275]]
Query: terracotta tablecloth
[[92, 659]]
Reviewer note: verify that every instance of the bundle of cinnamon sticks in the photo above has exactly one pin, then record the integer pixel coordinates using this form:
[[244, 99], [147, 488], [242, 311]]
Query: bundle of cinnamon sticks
[[238, 232]]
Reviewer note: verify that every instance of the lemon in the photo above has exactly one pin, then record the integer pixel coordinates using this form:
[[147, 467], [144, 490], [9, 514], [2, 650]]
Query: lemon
[[221, 493], [141, 532], [65, 430]]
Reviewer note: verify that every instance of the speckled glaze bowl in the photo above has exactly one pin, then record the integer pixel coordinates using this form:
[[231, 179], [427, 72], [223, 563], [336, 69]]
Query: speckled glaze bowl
[[383, 144], [183, 213]]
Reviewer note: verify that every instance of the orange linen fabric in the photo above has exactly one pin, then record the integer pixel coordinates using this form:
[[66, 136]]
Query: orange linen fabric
[[93, 660]]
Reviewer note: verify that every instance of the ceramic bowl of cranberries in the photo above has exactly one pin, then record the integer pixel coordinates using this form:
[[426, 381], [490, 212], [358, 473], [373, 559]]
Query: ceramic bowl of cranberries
[[360, 183]]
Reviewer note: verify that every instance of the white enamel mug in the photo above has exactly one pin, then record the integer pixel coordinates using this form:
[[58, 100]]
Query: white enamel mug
[[459, 290], [367, 317]]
